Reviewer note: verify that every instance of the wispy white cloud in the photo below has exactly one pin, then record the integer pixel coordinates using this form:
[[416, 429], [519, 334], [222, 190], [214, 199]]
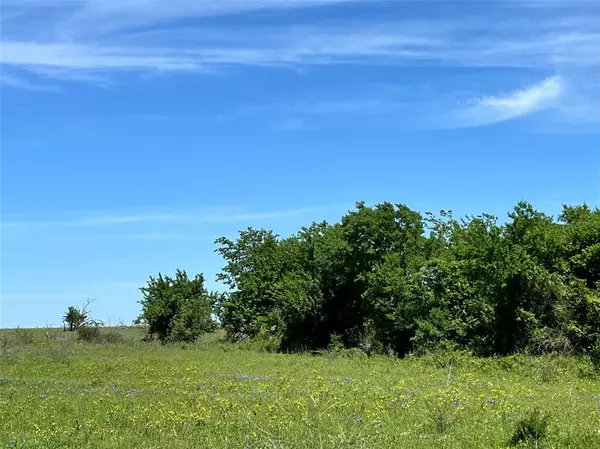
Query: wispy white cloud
[[105, 16], [76, 291], [38, 296], [81, 57], [305, 46], [99, 37], [95, 40], [348, 106], [23, 83], [93, 221], [301, 115], [70, 40], [179, 218], [493, 109], [568, 103], [150, 236]]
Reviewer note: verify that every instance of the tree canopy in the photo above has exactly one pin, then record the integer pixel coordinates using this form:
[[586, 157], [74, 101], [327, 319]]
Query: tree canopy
[[176, 309], [390, 278]]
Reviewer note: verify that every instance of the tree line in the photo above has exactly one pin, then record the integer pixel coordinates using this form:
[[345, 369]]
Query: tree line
[[390, 279]]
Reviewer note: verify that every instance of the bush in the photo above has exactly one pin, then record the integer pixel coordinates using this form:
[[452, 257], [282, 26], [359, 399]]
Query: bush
[[89, 334], [336, 344], [261, 342], [386, 278], [336, 348], [113, 337], [94, 334], [177, 309], [531, 428], [24, 336]]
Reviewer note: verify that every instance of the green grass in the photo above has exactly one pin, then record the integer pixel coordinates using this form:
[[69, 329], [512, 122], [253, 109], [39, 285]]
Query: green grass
[[65, 394]]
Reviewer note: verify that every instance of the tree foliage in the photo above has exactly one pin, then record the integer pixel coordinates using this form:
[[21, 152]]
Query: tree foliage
[[78, 317], [177, 309], [73, 318], [389, 278]]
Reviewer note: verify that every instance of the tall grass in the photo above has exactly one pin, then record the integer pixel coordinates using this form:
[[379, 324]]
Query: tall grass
[[210, 394]]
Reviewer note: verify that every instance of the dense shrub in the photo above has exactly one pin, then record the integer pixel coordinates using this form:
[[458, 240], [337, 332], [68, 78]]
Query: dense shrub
[[389, 279], [89, 334], [177, 309]]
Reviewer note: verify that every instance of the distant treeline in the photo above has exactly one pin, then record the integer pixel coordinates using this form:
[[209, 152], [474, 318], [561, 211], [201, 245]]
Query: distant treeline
[[390, 279]]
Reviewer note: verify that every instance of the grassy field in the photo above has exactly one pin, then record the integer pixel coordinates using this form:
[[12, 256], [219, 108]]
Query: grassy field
[[64, 394]]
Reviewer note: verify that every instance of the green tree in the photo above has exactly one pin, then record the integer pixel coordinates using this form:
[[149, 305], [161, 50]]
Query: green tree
[[583, 234], [77, 317], [74, 318], [254, 265], [177, 309], [385, 277], [387, 251]]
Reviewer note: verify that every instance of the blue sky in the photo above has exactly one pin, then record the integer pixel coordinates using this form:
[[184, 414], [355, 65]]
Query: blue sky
[[135, 132]]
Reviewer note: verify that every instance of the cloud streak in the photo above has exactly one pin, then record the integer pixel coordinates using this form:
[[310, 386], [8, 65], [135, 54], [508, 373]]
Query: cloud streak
[[305, 47], [179, 218], [565, 103], [151, 236], [106, 16], [74, 292], [493, 109], [87, 38], [95, 41]]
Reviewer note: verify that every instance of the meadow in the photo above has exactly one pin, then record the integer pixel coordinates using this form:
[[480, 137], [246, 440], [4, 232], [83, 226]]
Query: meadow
[[61, 393]]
